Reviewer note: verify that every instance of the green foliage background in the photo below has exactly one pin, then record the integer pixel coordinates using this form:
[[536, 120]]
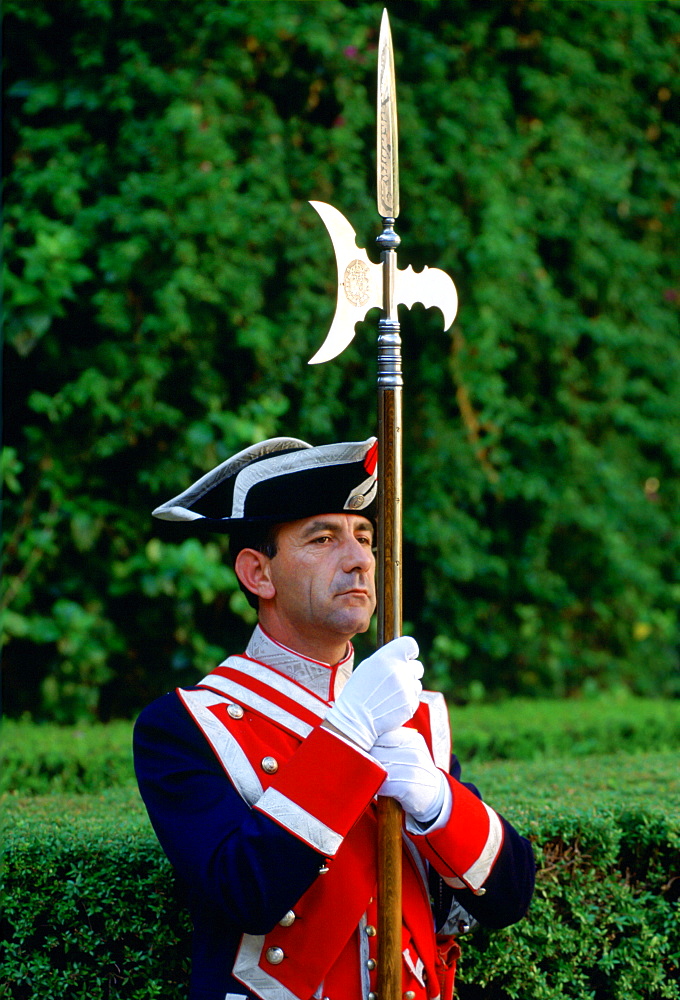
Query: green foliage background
[[166, 282]]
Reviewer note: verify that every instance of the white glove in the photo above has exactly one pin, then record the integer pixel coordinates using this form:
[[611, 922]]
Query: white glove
[[413, 778], [382, 693]]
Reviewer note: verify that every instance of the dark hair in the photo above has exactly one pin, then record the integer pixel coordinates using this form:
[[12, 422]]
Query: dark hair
[[261, 537]]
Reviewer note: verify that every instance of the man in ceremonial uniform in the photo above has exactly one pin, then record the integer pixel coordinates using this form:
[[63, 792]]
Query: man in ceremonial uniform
[[261, 781]]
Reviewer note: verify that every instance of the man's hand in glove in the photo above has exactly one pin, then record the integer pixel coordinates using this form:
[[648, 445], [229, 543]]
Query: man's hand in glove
[[382, 693], [413, 778]]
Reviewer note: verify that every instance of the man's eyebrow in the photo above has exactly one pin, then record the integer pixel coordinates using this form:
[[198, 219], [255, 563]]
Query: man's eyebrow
[[315, 526], [332, 527]]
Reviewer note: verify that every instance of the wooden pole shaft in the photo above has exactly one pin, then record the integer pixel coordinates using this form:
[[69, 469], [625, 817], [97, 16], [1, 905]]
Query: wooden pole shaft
[[389, 627], [389, 615], [389, 516]]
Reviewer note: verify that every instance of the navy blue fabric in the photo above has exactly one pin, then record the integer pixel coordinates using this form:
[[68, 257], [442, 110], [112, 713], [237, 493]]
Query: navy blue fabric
[[241, 871]]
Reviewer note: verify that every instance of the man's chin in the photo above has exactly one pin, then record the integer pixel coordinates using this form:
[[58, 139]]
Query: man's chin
[[355, 617]]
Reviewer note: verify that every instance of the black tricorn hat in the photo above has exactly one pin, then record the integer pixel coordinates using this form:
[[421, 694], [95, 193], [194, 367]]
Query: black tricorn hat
[[281, 479]]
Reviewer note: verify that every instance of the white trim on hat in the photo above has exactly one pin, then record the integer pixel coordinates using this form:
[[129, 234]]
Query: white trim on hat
[[177, 508], [324, 456]]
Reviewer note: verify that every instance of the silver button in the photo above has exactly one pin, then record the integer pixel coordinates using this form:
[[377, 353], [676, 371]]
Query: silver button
[[479, 892], [410, 995], [275, 956], [371, 931], [370, 965], [270, 765], [356, 502], [288, 919], [235, 711], [372, 996]]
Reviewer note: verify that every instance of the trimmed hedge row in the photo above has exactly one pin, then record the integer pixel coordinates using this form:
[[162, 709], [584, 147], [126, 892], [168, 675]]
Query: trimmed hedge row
[[38, 759], [523, 729], [91, 909], [46, 758]]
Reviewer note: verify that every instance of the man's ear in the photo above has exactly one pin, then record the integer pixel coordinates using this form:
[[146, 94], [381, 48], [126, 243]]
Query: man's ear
[[252, 569]]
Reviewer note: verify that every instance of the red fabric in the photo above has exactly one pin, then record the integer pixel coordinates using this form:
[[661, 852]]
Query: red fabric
[[457, 846], [327, 914], [330, 779], [264, 738], [371, 459], [336, 783], [270, 693], [448, 953]]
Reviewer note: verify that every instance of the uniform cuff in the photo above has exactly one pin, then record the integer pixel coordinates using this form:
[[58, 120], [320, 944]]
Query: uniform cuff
[[465, 849], [304, 797]]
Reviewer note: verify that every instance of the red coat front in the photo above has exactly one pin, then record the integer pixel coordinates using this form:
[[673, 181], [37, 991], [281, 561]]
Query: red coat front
[[265, 730]]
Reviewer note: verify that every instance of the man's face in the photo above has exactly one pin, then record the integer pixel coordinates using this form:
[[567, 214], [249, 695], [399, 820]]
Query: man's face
[[324, 577]]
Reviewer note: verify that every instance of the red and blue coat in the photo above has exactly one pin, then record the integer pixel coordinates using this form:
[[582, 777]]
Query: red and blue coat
[[269, 821]]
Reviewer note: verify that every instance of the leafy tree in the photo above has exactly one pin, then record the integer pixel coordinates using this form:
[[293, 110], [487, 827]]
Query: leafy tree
[[166, 282]]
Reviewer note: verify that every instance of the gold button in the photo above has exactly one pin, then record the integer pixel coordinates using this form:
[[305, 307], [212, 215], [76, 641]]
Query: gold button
[[270, 765], [371, 931], [370, 965], [288, 919], [235, 711], [275, 956]]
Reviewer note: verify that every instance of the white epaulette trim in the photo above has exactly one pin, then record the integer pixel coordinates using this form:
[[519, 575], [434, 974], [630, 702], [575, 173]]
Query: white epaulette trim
[[243, 695], [225, 747], [441, 728]]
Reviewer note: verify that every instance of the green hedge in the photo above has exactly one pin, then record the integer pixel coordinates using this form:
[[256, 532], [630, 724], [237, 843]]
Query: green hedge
[[37, 759], [524, 729], [91, 909], [89, 906]]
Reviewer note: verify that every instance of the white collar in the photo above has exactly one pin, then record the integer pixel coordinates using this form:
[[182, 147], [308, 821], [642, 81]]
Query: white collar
[[322, 679]]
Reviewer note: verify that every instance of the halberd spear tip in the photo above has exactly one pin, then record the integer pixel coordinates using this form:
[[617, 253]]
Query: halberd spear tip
[[388, 151]]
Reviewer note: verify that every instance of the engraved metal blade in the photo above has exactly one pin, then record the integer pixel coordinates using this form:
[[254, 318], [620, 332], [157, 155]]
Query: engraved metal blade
[[388, 152], [359, 283]]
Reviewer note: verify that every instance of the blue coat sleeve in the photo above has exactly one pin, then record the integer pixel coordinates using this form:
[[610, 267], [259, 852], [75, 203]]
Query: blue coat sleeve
[[237, 860]]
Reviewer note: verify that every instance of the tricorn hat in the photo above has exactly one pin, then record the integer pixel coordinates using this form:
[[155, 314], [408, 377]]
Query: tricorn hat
[[281, 479]]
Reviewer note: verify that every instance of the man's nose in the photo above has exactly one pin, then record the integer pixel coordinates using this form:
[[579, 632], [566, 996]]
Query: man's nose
[[358, 555]]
